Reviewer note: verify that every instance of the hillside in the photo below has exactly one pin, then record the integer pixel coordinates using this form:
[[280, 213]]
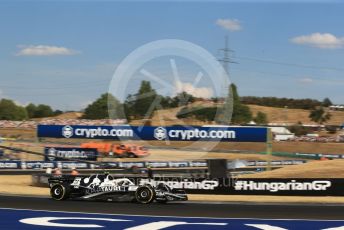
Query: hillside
[[69, 115], [282, 115], [275, 115], [166, 117]]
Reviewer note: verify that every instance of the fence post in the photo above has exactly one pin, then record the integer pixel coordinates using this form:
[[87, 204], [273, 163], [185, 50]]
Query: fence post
[[269, 147]]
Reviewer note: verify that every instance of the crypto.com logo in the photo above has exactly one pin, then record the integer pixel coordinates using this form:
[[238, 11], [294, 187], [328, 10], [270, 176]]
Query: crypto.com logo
[[206, 70], [51, 154], [67, 131], [160, 133]]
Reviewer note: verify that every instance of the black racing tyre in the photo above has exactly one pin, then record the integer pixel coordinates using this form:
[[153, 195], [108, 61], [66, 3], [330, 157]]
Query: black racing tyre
[[59, 192], [145, 194], [131, 155]]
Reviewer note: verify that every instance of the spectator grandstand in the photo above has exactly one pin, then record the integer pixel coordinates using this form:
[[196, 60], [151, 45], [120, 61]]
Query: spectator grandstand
[[57, 121], [337, 107], [338, 138]]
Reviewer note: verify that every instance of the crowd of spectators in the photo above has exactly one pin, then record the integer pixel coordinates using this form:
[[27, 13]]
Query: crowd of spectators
[[56, 121], [17, 124], [338, 138]]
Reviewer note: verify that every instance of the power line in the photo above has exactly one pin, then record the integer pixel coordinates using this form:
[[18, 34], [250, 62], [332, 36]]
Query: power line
[[291, 64], [288, 75]]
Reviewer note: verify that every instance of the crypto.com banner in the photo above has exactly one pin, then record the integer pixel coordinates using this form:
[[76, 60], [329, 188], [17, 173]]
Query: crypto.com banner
[[171, 133], [61, 153]]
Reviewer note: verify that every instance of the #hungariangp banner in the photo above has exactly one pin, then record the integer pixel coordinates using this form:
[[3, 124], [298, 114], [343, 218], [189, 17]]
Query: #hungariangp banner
[[171, 133]]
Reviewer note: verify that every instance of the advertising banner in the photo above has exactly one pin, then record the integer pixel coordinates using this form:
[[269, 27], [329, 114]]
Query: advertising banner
[[227, 186], [37, 164], [10, 165], [59, 153], [171, 133]]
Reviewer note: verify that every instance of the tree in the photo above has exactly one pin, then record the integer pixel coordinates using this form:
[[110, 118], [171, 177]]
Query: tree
[[299, 129], [31, 110], [166, 102], [43, 111], [39, 111], [326, 102], [199, 113], [128, 107], [10, 111], [319, 115], [101, 108], [145, 101], [182, 99], [240, 113], [261, 118], [58, 112]]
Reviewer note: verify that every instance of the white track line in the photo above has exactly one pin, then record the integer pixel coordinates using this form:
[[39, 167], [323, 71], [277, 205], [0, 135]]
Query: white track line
[[183, 217]]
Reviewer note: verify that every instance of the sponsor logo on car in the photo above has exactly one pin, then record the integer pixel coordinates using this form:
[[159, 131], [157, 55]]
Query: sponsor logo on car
[[106, 189]]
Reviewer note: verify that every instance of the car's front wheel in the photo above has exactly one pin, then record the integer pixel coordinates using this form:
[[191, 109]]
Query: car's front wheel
[[145, 194], [59, 192]]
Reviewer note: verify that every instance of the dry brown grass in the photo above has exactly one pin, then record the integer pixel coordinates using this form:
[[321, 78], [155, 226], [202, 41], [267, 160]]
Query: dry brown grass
[[69, 115], [20, 185], [301, 147], [167, 155], [314, 169], [281, 115], [155, 154], [18, 133]]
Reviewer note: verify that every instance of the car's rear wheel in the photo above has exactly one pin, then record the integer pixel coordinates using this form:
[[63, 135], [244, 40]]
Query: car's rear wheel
[[145, 194], [59, 192]]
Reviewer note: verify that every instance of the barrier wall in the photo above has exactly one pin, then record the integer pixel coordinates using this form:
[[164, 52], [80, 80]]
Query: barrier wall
[[172, 133], [121, 165], [288, 187]]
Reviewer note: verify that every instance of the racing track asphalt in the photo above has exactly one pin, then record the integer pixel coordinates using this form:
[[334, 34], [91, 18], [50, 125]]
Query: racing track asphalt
[[185, 209]]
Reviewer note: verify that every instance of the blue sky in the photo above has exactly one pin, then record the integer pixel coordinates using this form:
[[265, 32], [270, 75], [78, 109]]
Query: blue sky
[[65, 53]]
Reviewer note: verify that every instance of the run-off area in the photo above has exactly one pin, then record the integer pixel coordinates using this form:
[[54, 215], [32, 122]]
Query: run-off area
[[31, 219]]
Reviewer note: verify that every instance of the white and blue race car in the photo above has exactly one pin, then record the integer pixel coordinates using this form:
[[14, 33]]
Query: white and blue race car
[[106, 187]]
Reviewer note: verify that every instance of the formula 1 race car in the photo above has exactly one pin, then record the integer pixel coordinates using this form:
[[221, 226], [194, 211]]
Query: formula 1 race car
[[106, 187]]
